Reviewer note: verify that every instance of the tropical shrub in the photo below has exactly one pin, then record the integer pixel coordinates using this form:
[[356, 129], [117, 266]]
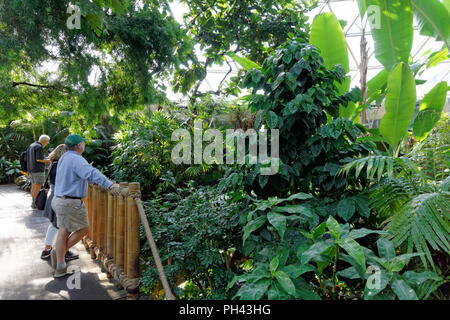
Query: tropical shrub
[[196, 230], [295, 93]]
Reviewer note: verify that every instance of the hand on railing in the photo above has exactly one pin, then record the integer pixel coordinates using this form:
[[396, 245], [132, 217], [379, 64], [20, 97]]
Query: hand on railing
[[114, 189]]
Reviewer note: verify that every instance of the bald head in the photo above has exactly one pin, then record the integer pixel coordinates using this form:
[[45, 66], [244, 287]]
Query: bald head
[[44, 139]]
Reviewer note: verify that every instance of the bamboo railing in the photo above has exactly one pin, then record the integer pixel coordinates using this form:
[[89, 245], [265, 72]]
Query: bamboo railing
[[113, 237]]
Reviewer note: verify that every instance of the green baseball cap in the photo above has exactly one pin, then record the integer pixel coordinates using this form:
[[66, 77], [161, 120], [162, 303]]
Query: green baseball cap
[[74, 139]]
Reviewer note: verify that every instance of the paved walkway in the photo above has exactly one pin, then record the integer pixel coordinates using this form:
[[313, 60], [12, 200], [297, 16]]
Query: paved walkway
[[23, 275]]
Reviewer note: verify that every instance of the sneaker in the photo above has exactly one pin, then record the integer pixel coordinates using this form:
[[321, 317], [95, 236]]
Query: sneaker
[[33, 205], [53, 258], [45, 254], [71, 256], [61, 272]]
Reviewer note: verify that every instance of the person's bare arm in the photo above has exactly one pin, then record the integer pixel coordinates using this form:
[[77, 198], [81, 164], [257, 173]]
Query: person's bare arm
[[46, 161]]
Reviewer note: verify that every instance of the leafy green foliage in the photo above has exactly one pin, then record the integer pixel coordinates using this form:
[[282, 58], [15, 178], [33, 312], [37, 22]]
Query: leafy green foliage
[[299, 92], [249, 28], [195, 230], [8, 170], [409, 285], [129, 49], [286, 256]]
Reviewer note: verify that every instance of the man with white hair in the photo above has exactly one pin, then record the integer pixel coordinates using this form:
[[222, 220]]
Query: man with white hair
[[36, 165]]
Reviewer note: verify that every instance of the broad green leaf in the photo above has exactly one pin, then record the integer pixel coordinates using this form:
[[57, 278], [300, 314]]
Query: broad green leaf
[[254, 291], [375, 85], [274, 263], [304, 290], [272, 120], [403, 290], [433, 19], [327, 35], [430, 110], [319, 230], [394, 36], [247, 64], [299, 196], [386, 249], [315, 250], [360, 233], [275, 292], [437, 58], [447, 5], [349, 273], [278, 221], [346, 208], [362, 203], [417, 279], [252, 226], [400, 104], [376, 283], [295, 270], [334, 227], [285, 282], [354, 250], [398, 263]]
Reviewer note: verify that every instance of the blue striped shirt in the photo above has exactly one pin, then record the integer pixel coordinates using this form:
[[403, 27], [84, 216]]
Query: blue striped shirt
[[73, 175]]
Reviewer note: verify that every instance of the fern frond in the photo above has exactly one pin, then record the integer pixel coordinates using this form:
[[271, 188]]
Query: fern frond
[[389, 196], [424, 222]]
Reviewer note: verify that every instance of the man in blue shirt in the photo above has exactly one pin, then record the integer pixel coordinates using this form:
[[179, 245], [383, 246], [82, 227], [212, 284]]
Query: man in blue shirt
[[71, 185]]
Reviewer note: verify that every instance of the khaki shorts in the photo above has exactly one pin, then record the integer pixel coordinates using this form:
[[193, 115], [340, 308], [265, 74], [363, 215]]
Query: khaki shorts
[[70, 213], [37, 177]]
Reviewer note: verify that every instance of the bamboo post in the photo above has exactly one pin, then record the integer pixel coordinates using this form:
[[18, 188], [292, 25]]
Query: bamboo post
[[125, 229], [102, 227], [90, 210], [110, 221], [116, 215], [94, 220], [87, 203], [132, 242], [98, 219], [119, 252], [109, 232]]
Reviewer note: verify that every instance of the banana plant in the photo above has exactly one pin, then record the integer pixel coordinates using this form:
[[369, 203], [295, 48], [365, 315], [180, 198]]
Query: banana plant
[[393, 39]]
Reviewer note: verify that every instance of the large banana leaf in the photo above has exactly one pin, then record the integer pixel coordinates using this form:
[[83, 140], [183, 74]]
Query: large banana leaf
[[447, 5], [400, 104], [328, 37], [433, 19], [394, 38], [430, 110], [376, 85]]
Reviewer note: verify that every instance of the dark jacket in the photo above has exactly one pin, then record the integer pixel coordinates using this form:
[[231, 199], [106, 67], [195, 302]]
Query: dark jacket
[[52, 172], [35, 152]]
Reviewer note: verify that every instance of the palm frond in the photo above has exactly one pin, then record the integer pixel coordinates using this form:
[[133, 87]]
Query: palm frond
[[389, 196], [423, 221]]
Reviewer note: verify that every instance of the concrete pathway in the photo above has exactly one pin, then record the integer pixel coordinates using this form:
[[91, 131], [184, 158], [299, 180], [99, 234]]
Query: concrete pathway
[[24, 275]]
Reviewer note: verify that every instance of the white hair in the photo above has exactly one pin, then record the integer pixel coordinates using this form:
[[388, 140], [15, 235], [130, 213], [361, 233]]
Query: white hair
[[44, 137]]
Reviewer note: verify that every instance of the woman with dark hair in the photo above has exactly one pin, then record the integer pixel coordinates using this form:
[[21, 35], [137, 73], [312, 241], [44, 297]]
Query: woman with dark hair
[[52, 230]]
